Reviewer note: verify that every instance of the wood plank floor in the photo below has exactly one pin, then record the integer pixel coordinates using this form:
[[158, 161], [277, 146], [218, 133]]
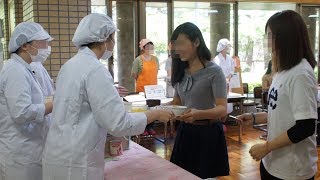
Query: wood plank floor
[[242, 166]]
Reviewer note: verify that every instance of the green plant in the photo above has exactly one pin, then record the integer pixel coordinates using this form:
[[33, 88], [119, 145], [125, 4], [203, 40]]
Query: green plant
[[252, 85], [246, 68], [160, 48]]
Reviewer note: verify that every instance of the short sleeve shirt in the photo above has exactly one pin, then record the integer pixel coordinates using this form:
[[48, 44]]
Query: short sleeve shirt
[[292, 96], [138, 65], [200, 89]]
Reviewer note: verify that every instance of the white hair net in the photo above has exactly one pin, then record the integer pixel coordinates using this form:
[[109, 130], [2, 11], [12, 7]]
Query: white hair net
[[93, 28], [27, 32], [222, 44]]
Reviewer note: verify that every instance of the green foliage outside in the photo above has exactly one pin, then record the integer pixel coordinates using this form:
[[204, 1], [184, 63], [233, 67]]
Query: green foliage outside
[[252, 85], [252, 46]]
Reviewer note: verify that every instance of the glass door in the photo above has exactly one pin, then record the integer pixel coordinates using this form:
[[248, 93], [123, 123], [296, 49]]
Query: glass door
[[252, 49], [311, 16], [157, 32]]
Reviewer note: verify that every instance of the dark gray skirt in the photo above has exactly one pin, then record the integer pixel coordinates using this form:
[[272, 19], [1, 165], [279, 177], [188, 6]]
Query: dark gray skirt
[[201, 150]]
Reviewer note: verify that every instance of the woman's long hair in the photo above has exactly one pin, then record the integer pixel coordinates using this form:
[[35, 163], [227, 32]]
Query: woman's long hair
[[269, 70], [291, 40]]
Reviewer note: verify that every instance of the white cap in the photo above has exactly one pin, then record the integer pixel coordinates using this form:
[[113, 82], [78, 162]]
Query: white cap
[[27, 32], [222, 44], [93, 28], [143, 42]]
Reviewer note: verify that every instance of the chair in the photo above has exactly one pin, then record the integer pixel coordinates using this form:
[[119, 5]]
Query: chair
[[246, 90], [264, 101], [258, 94], [240, 127], [261, 96], [247, 102]]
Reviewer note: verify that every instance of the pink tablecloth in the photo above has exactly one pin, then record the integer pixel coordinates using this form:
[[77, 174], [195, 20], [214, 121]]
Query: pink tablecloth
[[138, 163]]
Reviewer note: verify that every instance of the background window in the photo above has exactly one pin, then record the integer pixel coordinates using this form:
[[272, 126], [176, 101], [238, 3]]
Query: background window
[[98, 6], [311, 16], [215, 20], [157, 32], [253, 52]]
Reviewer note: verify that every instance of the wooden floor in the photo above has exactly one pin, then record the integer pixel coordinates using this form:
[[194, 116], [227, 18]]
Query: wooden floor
[[242, 166]]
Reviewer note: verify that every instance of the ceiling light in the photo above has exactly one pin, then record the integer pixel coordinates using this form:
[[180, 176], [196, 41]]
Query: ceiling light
[[313, 16]]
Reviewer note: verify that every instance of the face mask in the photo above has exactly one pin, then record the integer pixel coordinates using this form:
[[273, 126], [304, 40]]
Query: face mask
[[228, 50], [151, 51], [107, 54], [42, 55]]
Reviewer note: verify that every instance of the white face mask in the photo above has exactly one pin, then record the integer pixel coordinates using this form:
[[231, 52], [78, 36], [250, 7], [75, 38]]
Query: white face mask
[[42, 55], [107, 54], [228, 50], [151, 52]]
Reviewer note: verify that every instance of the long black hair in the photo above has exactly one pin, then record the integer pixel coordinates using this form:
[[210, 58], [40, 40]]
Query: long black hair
[[269, 70], [193, 33], [291, 39]]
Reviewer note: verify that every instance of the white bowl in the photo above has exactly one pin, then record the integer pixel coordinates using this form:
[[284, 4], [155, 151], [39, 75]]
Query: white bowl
[[177, 110]]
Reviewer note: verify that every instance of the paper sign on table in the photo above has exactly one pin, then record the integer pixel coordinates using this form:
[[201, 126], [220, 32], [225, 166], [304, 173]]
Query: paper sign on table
[[134, 98], [235, 80], [154, 92]]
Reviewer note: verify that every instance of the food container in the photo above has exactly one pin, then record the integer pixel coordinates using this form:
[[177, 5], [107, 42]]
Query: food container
[[116, 147], [177, 110], [139, 108], [125, 143], [153, 102]]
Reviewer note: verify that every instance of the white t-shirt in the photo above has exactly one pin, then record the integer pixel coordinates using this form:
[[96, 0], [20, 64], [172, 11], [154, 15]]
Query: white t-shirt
[[227, 64], [292, 96]]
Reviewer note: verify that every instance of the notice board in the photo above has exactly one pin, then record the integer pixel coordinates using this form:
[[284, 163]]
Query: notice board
[[236, 82]]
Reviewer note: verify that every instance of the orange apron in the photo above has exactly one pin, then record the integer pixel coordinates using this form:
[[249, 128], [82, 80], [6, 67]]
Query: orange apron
[[148, 74]]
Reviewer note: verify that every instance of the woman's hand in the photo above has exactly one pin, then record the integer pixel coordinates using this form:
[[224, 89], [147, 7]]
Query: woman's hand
[[259, 151], [48, 107], [189, 116], [165, 115], [244, 117], [122, 91], [259, 118], [160, 115]]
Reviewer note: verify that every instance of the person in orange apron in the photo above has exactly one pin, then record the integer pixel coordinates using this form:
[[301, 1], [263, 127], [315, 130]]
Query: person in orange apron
[[144, 71]]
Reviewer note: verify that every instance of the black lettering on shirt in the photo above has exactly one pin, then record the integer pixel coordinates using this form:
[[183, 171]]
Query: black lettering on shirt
[[272, 99]]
